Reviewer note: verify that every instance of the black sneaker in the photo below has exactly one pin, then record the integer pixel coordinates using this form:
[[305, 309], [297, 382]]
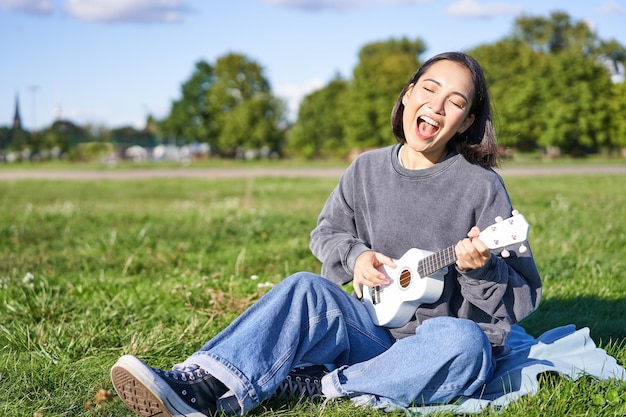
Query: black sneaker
[[153, 392], [301, 383]]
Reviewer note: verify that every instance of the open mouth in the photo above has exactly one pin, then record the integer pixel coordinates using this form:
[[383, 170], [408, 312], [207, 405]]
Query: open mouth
[[427, 127]]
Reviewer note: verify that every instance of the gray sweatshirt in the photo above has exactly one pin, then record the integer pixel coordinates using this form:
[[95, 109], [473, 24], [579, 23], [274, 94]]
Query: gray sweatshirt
[[379, 205]]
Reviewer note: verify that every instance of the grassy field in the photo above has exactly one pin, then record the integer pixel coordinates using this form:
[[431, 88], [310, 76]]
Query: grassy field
[[92, 270]]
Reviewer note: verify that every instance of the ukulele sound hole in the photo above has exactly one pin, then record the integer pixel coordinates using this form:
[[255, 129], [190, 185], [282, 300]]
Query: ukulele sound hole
[[405, 278]]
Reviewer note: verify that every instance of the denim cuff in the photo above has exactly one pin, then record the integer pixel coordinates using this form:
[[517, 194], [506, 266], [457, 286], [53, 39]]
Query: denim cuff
[[242, 396], [331, 386]]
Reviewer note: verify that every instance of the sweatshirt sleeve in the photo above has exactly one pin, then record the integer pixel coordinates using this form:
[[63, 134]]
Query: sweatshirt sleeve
[[501, 293], [334, 241]]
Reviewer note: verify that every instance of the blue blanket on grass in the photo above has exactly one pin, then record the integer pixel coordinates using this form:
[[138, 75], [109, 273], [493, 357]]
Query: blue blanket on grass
[[563, 350]]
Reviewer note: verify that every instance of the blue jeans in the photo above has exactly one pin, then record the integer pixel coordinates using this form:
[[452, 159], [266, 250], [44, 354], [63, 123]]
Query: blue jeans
[[307, 319]]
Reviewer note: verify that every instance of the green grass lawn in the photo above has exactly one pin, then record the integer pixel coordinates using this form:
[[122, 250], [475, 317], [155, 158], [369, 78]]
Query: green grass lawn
[[92, 270]]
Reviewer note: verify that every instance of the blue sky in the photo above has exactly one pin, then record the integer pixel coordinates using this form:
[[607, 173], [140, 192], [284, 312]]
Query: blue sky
[[113, 62]]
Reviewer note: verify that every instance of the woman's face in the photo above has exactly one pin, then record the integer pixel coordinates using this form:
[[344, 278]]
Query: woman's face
[[437, 107]]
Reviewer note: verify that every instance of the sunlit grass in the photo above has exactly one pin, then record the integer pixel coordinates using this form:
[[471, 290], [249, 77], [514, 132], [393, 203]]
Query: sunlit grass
[[92, 270]]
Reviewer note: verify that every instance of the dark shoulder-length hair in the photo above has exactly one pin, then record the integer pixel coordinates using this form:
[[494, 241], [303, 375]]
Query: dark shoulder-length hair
[[478, 143]]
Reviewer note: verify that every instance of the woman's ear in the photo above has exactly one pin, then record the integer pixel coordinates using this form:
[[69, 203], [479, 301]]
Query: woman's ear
[[407, 94], [466, 123]]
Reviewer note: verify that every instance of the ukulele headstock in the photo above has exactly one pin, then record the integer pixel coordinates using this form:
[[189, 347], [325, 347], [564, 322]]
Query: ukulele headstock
[[506, 232]]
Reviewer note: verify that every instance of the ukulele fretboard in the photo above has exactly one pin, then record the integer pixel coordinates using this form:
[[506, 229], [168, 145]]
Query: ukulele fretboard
[[433, 263]]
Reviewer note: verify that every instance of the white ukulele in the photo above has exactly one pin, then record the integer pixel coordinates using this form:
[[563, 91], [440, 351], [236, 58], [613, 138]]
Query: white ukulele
[[418, 276]]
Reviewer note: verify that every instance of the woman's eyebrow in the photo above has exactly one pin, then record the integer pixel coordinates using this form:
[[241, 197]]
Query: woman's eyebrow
[[454, 92]]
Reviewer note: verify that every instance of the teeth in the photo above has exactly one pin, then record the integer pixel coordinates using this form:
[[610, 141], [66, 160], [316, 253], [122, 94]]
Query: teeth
[[430, 121]]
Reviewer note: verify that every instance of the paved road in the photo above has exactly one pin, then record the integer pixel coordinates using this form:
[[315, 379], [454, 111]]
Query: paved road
[[246, 172]]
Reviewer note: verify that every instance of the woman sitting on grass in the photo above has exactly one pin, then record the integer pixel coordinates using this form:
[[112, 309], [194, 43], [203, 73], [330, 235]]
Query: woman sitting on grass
[[434, 187]]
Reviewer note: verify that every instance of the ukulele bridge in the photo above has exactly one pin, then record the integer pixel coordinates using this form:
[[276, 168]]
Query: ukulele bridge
[[375, 294]]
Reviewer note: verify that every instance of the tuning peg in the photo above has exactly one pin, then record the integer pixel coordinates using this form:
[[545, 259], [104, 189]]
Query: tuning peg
[[505, 253], [523, 248], [515, 212], [499, 219]]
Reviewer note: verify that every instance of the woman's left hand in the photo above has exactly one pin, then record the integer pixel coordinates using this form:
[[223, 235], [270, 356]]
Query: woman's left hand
[[471, 252]]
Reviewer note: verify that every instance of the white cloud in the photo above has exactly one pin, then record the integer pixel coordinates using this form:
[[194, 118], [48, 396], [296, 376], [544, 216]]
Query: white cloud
[[39, 7], [316, 5], [139, 11], [472, 8], [612, 7], [294, 94], [407, 1]]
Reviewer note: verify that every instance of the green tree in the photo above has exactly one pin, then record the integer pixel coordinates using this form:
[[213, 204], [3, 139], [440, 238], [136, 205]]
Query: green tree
[[614, 54], [516, 77], [129, 136], [152, 126], [190, 118], [5, 133], [217, 99], [19, 139], [576, 99], [549, 86], [319, 131], [578, 110], [555, 34], [253, 125], [382, 71], [65, 136], [246, 112], [617, 128]]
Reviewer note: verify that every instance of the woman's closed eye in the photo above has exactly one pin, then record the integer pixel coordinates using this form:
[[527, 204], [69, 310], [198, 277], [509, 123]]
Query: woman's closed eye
[[457, 104]]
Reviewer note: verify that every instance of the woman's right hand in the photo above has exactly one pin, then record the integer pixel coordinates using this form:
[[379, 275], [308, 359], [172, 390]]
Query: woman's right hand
[[366, 272]]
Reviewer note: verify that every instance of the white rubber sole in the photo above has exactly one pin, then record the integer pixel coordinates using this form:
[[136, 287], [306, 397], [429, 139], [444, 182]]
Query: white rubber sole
[[144, 392]]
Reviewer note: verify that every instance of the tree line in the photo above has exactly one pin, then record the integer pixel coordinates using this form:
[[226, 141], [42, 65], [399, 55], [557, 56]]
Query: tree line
[[550, 80]]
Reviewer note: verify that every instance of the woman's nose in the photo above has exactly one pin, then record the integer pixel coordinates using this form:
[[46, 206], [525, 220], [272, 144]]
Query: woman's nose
[[437, 104]]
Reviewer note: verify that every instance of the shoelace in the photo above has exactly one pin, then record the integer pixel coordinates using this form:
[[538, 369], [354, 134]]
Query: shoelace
[[299, 386], [184, 375]]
